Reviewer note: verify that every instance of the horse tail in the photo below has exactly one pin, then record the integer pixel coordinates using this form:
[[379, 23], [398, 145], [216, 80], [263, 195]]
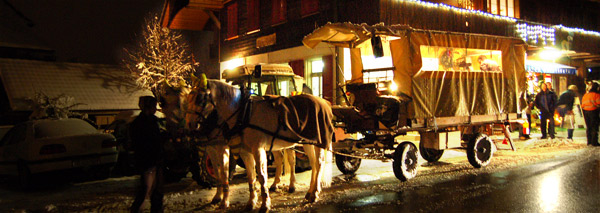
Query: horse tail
[[327, 167]]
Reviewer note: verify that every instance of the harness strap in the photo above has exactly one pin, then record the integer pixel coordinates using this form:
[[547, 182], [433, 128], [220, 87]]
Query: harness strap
[[276, 133]]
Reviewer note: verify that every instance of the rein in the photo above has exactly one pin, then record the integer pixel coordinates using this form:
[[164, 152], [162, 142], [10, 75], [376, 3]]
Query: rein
[[243, 121]]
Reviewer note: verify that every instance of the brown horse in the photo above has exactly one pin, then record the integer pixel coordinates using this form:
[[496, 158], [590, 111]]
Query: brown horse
[[260, 132]]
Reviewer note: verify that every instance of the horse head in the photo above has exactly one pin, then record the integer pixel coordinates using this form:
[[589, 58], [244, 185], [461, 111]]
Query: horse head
[[172, 102], [200, 107], [210, 103]]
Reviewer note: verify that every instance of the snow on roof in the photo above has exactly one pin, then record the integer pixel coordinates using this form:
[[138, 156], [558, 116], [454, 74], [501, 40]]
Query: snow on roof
[[96, 86]]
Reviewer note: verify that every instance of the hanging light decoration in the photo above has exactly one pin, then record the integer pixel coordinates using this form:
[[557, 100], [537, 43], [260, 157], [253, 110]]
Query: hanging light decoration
[[536, 33], [545, 35], [460, 10], [577, 30]]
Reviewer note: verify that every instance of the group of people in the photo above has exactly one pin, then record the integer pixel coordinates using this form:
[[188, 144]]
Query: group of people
[[548, 103]]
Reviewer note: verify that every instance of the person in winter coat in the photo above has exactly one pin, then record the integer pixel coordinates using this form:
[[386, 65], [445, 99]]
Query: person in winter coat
[[545, 101], [565, 109], [147, 142], [590, 104]]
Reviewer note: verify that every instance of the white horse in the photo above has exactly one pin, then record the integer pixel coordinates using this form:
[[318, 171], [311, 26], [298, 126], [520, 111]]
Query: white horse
[[180, 111], [261, 132]]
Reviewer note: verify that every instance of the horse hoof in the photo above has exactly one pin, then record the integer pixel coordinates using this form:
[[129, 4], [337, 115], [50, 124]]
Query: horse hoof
[[273, 188], [264, 209], [224, 205], [215, 200], [249, 207], [292, 190], [311, 198]]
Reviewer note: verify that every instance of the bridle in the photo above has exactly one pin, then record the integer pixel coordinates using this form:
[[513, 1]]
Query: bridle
[[209, 121]]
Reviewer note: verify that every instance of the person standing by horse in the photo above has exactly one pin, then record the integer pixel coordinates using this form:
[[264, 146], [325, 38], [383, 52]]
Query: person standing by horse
[[591, 113], [545, 101], [147, 142], [565, 109]]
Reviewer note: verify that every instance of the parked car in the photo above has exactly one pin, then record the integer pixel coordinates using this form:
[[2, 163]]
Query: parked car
[[47, 145]]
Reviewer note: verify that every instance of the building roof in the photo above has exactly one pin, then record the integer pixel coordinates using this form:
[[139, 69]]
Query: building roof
[[96, 86]]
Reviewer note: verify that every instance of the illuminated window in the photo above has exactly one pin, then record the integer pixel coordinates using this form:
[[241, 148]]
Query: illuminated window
[[232, 20], [279, 11], [501, 7], [253, 12], [315, 76]]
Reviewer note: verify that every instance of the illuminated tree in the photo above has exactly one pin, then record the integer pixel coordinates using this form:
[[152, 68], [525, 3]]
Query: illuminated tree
[[161, 59]]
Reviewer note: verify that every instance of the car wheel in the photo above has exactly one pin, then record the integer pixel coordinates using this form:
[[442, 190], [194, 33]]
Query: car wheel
[[24, 176]]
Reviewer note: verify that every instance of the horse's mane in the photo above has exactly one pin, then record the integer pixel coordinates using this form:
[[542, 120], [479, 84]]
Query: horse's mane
[[226, 91]]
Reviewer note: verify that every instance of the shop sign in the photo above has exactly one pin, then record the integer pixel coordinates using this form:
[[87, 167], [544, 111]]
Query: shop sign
[[265, 41], [549, 68]]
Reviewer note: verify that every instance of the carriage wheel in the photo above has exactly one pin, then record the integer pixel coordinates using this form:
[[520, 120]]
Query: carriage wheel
[[405, 161], [347, 165], [209, 172], [430, 155], [479, 150]]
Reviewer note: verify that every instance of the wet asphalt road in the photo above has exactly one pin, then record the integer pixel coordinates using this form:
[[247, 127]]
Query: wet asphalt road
[[565, 184]]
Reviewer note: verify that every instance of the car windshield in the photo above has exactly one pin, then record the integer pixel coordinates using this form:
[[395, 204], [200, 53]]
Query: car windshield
[[62, 128]]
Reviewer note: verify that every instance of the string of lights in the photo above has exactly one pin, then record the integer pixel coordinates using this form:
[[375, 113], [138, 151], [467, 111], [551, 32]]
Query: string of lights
[[529, 33]]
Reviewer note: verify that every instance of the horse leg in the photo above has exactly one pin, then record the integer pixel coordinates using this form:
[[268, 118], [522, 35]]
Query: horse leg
[[291, 156], [249, 162], [312, 194], [260, 156], [220, 161], [278, 156], [215, 158]]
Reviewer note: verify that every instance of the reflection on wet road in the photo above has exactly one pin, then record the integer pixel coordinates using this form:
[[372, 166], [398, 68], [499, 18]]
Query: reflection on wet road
[[566, 184]]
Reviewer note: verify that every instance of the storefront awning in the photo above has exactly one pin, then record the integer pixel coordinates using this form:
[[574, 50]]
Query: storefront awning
[[549, 67]]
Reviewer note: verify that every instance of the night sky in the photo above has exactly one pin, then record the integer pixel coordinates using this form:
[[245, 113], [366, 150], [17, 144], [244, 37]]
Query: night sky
[[87, 31]]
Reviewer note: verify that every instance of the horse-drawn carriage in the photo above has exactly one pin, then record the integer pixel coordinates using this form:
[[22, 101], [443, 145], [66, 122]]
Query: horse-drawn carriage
[[451, 88]]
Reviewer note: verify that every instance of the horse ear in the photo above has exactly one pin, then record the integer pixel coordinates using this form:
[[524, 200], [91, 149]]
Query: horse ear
[[203, 82]]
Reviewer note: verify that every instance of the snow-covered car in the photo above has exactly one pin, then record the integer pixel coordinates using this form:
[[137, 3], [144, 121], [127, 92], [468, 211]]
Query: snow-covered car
[[47, 145]]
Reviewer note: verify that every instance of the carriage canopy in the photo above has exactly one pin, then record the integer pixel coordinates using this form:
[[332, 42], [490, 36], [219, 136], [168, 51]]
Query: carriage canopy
[[445, 73]]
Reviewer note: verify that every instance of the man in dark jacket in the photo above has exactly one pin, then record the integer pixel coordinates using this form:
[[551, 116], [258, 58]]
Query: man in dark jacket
[[147, 143], [545, 101], [565, 109]]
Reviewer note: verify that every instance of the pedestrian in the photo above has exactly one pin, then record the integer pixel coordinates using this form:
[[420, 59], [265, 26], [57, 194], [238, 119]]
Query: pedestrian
[[147, 142], [545, 101], [591, 113], [565, 109]]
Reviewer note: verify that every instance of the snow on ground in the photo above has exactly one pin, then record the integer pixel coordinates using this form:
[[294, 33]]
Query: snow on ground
[[373, 177]]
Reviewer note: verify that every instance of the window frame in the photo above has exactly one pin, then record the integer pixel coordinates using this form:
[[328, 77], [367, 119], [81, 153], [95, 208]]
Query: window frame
[[232, 21], [278, 11]]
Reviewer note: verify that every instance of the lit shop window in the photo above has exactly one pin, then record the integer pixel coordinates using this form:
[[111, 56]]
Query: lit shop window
[[315, 76], [460, 59]]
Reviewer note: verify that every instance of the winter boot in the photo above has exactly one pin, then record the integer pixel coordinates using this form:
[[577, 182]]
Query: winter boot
[[570, 133]]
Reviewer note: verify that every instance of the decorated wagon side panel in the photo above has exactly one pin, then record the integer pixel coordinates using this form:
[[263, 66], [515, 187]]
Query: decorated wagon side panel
[[450, 87]]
